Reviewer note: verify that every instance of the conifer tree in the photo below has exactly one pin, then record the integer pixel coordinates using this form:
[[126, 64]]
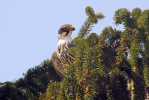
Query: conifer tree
[[30, 86], [109, 66], [113, 65]]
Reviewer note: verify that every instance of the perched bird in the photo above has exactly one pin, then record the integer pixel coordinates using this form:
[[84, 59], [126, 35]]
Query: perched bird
[[61, 56]]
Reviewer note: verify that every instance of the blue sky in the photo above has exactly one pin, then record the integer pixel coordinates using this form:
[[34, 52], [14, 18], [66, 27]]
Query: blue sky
[[28, 28]]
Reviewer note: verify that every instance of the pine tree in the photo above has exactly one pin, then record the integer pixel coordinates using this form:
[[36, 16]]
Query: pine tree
[[33, 83], [112, 65]]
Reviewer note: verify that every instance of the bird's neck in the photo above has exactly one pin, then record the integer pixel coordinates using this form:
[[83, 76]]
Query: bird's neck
[[63, 40], [61, 44]]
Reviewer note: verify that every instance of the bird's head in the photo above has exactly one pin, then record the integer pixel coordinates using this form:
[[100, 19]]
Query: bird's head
[[65, 31]]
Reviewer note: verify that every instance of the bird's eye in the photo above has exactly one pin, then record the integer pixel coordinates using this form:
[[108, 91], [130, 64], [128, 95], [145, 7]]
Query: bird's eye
[[65, 29]]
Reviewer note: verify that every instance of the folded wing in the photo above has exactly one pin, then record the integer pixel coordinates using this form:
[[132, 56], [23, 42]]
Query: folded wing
[[64, 58]]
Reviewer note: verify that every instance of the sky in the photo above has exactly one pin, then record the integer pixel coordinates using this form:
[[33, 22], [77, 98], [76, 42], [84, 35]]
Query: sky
[[29, 28]]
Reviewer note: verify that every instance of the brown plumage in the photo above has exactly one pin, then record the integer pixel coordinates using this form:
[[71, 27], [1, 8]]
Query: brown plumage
[[61, 56]]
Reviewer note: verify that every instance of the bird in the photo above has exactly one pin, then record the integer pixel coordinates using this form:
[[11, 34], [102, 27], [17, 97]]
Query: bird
[[61, 56]]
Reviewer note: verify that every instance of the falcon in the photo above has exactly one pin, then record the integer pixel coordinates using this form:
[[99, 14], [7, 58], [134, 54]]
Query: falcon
[[61, 56]]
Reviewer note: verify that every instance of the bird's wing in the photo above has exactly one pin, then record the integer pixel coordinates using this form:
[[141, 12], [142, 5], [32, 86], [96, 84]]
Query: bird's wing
[[57, 64], [70, 44], [64, 58]]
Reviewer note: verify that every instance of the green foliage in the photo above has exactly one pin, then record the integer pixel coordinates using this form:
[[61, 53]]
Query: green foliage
[[143, 20], [51, 92], [136, 12], [122, 15], [92, 17], [91, 20], [111, 66], [92, 77], [8, 91], [146, 76], [33, 83]]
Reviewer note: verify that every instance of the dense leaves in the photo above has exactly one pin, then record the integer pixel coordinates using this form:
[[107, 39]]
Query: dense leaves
[[33, 83], [91, 20], [111, 66]]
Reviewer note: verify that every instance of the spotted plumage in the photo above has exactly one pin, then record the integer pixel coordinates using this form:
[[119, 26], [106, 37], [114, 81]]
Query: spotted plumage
[[61, 56]]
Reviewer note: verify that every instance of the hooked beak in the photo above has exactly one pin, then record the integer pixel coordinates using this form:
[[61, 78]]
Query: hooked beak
[[73, 28]]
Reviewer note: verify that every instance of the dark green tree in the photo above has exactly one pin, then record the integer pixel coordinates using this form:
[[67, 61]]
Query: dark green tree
[[109, 66], [8, 91], [33, 83]]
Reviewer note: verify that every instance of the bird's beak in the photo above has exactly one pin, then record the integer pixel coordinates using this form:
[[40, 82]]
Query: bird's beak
[[73, 28]]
